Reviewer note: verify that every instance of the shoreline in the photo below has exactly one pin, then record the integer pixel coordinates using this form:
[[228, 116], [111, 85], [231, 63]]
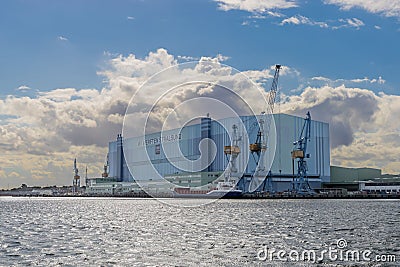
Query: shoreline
[[245, 196]]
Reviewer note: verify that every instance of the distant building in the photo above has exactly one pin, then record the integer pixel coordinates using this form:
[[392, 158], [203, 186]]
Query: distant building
[[368, 180], [110, 186], [380, 187], [353, 175]]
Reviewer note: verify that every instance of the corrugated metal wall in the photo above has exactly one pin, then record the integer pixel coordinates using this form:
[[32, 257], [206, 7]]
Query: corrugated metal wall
[[187, 141]]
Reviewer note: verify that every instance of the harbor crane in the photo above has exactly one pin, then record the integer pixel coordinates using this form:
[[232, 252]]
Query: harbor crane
[[106, 164], [299, 154], [260, 146], [233, 151]]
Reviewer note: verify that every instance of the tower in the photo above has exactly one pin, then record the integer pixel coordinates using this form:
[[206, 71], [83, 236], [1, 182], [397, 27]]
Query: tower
[[87, 180], [120, 158], [206, 134], [76, 183]]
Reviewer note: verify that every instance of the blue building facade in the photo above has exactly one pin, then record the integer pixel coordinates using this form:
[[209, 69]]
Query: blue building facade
[[178, 151]]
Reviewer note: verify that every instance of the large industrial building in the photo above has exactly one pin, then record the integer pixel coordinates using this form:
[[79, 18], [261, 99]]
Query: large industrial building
[[181, 165]]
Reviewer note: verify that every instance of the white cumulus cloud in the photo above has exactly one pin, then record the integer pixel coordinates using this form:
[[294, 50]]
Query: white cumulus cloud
[[349, 23], [62, 38], [332, 24], [354, 22], [256, 6], [23, 88], [319, 80], [299, 19], [389, 8]]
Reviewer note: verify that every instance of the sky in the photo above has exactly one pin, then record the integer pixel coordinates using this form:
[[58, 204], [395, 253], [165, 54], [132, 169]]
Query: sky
[[69, 68]]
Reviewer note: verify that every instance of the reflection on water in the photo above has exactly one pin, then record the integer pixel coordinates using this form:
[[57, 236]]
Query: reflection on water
[[145, 232]]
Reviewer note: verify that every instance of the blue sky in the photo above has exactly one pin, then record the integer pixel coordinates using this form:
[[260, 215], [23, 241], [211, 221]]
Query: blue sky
[[68, 68], [56, 44]]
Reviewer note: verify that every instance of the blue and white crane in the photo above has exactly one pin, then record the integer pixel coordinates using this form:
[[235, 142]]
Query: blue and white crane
[[260, 146], [299, 154]]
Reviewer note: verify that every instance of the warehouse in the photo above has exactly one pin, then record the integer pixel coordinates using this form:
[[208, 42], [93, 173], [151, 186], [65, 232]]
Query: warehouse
[[175, 154]]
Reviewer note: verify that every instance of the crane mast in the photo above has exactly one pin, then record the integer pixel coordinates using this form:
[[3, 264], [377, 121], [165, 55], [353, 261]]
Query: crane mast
[[232, 152], [260, 146]]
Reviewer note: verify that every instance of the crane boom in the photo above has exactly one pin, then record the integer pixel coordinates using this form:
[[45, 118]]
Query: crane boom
[[274, 89], [260, 146], [271, 102], [257, 146]]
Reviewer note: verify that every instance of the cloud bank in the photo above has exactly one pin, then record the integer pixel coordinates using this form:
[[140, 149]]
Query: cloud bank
[[41, 134], [388, 8], [364, 127]]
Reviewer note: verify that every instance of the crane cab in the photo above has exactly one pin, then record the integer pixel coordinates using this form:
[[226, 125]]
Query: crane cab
[[231, 150], [299, 154], [255, 147]]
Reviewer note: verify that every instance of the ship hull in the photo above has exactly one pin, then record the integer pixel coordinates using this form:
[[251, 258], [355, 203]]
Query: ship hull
[[212, 194]]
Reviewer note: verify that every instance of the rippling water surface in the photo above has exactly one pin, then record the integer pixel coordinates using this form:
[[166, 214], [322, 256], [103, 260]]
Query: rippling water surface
[[145, 232]]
